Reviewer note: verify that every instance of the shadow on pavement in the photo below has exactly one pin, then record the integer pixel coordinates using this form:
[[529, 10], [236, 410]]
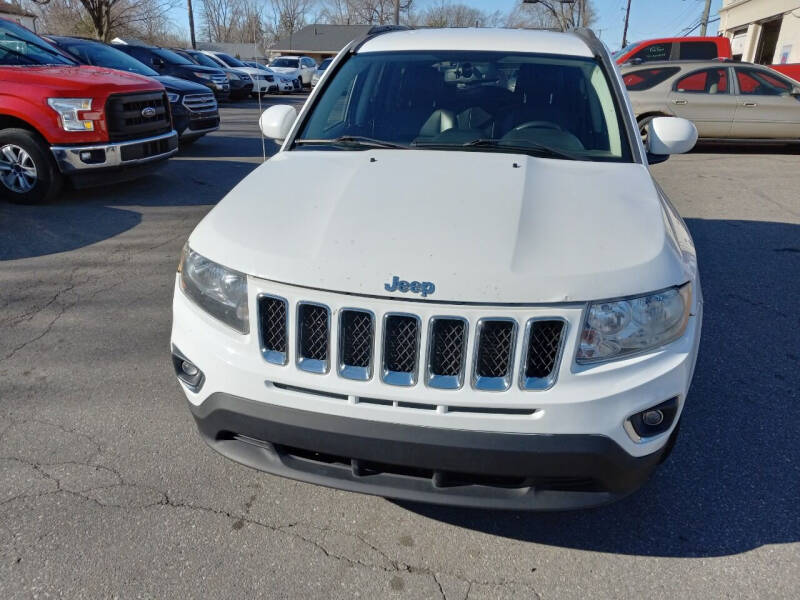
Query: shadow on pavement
[[711, 148], [733, 481], [83, 217]]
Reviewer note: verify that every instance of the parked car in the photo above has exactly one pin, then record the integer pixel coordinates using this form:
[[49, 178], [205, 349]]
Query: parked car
[[282, 83], [480, 298], [194, 109], [320, 70], [297, 67], [167, 62], [675, 48], [63, 120], [727, 101], [261, 84], [241, 83]]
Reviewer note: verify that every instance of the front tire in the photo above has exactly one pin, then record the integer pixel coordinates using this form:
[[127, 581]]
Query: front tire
[[28, 172]]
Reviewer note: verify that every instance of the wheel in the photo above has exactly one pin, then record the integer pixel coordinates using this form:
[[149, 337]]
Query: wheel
[[28, 173]]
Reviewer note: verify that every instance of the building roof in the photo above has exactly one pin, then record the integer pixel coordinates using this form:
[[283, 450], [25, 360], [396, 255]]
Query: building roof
[[501, 40], [320, 38], [7, 8]]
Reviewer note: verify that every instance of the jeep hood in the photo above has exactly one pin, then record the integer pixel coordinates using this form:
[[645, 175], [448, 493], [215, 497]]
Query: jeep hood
[[483, 227]]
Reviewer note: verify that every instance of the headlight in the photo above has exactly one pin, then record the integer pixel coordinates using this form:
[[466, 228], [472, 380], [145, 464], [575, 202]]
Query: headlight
[[233, 77], [220, 291], [173, 98], [202, 75], [68, 109], [618, 328]]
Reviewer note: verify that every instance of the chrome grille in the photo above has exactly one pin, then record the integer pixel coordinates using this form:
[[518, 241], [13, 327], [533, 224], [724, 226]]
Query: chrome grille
[[274, 327], [200, 102], [492, 362], [313, 325], [356, 334], [219, 78], [543, 342], [400, 349], [494, 354], [447, 340]]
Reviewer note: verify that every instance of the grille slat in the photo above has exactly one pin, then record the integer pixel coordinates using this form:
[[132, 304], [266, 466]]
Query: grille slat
[[274, 329], [494, 354], [356, 334], [543, 344], [446, 352], [400, 349], [313, 322]]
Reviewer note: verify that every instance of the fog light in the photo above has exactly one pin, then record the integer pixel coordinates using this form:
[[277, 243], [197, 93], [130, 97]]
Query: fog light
[[189, 369], [191, 376], [652, 421], [651, 418]]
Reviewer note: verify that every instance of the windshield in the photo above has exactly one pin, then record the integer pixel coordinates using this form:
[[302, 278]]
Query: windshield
[[464, 100], [625, 50], [100, 55], [203, 59], [18, 46], [170, 57], [230, 61], [324, 64], [285, 62]]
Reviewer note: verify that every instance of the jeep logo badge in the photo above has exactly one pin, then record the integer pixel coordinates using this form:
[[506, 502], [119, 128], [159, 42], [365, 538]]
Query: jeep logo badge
[[426, 288], [148, 112]]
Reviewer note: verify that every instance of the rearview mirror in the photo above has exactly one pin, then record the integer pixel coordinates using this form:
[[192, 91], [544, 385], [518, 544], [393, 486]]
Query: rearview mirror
[[276, 122], [795, 91], [669, 135]]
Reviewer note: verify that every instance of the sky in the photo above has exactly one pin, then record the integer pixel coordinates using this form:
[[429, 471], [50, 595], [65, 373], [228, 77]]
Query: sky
[[649, 18]]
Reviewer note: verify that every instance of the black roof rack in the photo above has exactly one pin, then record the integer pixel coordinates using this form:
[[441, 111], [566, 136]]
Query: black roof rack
[[375, 32]]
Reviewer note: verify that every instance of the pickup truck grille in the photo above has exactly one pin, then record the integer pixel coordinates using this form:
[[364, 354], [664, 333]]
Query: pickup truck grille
[[132, 116], [399, 355]]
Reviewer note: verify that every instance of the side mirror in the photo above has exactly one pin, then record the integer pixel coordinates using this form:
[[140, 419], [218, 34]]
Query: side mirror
[[795, 91], [276, 122], [669, 135]]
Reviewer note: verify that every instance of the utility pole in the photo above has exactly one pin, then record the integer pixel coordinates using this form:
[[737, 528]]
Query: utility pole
[[704, 19], [627, 18], [397, 12], [191, 23]]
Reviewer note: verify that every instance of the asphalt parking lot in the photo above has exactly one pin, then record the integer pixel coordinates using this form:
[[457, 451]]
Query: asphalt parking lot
[[106, 490]]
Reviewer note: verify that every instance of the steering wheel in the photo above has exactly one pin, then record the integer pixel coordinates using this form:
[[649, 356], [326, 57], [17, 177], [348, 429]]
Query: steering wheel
[[538, 125]]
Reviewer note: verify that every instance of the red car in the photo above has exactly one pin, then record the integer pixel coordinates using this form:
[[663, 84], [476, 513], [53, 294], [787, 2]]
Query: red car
[[61, 120]]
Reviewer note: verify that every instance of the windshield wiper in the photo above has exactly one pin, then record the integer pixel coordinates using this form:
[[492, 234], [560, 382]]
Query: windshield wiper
[[350, 141], [527, 148]]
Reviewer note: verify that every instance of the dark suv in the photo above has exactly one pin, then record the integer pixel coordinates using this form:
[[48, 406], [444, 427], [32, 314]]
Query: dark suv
[[194, 109], [167, 62], [241, 83]]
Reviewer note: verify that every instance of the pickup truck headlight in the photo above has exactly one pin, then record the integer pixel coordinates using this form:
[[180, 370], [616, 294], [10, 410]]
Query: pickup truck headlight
[[68, 109], [202, 76], [173, 98], [220, 291], [616, 329]]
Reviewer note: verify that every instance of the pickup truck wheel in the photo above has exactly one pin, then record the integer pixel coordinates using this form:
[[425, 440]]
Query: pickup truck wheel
[[28, 174]]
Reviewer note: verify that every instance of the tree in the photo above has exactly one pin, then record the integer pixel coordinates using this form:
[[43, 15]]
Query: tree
[[454, 14], [552, 14], [104, 19]]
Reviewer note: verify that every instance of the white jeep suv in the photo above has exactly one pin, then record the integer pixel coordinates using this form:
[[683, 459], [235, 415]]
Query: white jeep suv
[[480, 298]]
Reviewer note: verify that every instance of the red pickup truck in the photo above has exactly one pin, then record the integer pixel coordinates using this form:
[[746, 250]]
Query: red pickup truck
[[61, 120]]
